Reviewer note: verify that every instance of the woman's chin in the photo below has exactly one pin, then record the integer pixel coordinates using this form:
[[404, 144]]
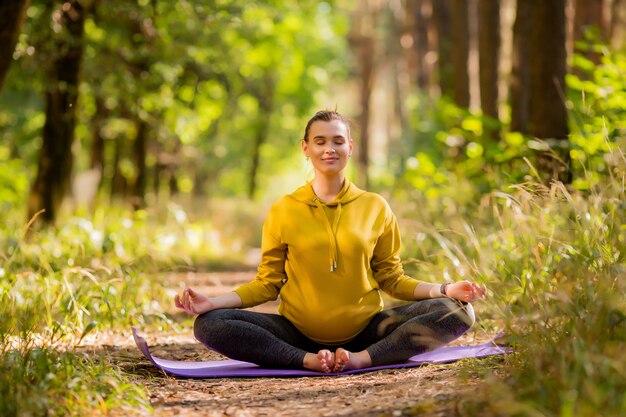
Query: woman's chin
[[331, 169]]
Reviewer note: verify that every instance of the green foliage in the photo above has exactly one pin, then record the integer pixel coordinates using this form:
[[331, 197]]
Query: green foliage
[[203, 76], [598, 97], [47, 301], [452, 144], [552, 256], [92, 273], [453, 148], [97, 268], [554, 262], [13, 181], [45, 382]]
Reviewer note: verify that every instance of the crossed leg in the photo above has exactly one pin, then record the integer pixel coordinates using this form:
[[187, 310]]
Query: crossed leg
[[265, 339], [391, 336], [395, 335]]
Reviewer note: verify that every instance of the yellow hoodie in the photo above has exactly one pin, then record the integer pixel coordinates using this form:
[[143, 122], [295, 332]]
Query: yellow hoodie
[[329, 262]]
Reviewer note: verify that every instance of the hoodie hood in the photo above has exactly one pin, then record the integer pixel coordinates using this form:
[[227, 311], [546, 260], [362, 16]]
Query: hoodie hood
[[305, 194], [348, 193]]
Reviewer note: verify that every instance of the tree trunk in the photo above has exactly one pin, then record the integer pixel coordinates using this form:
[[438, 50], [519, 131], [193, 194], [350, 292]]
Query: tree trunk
[[200, 179], [519, 93], [119, 183], [366, 59], [401, 26], [266, 107], [55, 159], [460, 52], [97, 141], [363, 43], [158, 170], [488, 58], [140, 147], [416, 14], [588, 16], [441, 15], [616, 23], [142, 33], [12, 15], [173, 180], [205, 168], [548, 116], [259, 139]]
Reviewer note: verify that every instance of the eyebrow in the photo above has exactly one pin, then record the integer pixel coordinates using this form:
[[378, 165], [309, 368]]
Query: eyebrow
[[324, 137]]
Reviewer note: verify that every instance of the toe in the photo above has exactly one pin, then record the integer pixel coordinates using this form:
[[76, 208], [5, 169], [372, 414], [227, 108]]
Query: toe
[[342, 357], [326, 359]]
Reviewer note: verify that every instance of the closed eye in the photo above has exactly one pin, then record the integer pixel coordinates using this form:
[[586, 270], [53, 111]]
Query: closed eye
[[320, 140]]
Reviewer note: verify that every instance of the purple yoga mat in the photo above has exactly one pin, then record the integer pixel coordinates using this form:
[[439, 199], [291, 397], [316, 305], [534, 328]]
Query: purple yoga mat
[[237, 369]]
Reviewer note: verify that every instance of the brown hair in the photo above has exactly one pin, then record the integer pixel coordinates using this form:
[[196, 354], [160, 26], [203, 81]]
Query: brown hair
[[325, 116]]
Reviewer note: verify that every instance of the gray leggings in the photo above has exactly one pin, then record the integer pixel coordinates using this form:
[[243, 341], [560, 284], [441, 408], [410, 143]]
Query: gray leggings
[[391, 336]]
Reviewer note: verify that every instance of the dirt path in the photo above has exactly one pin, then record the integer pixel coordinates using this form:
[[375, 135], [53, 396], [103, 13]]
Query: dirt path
[[433, 390]]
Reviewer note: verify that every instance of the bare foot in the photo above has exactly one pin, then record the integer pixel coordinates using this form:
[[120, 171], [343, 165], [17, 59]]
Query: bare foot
[[327, 359], [322, 362], [346, 360]]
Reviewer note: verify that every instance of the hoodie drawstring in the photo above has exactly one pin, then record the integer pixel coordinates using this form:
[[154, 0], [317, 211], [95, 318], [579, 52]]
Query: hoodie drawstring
[[332, 233]]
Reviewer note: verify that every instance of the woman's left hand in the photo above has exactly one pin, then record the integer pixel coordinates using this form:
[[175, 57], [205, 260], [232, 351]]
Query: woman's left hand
[[466, 291]]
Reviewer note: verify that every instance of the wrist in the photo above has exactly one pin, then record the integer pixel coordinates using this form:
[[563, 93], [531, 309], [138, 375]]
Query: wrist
[[426, 290], [228, 300], [443, 289]]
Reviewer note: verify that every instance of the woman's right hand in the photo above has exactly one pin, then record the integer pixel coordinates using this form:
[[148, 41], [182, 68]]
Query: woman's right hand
[[467, 291], [193, 302]]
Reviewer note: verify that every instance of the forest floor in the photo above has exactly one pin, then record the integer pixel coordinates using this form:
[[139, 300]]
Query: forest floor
[[432, 390]]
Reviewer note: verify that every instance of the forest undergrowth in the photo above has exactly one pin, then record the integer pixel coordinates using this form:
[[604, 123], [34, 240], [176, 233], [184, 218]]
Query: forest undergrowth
[[471, 206], [91, 273], [552, 258]]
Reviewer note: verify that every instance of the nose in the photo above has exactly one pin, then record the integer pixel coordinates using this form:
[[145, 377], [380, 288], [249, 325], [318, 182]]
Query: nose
[[330, 149]]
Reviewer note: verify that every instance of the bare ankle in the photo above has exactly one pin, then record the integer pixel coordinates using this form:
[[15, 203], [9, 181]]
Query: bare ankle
[[310, 361], [362, 359], [320, 362], [346, 360]]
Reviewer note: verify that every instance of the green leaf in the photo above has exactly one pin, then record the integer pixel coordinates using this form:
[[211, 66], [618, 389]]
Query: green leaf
[[474, 150], [87, 330]]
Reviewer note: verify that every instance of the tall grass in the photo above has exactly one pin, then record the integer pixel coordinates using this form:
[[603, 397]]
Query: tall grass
[[56, 286], [562, 299], [554, 261], [41, 381], [89, 273], [95, 271]]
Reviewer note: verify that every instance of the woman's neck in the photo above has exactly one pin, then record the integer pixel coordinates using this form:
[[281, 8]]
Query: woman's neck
[[327, 188]]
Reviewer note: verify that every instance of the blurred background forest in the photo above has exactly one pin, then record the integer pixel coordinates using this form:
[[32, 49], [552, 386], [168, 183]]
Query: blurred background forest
[[153, 135], [147, 101]]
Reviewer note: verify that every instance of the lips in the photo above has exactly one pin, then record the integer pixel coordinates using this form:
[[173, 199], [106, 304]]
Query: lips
[[330, 159]]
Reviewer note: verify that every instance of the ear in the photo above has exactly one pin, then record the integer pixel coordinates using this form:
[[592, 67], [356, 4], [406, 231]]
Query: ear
[[305, 147], [350, 147]]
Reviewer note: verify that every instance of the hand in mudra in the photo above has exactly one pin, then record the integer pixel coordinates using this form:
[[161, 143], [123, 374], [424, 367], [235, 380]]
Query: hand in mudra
[[466, 291], [193, 302]]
